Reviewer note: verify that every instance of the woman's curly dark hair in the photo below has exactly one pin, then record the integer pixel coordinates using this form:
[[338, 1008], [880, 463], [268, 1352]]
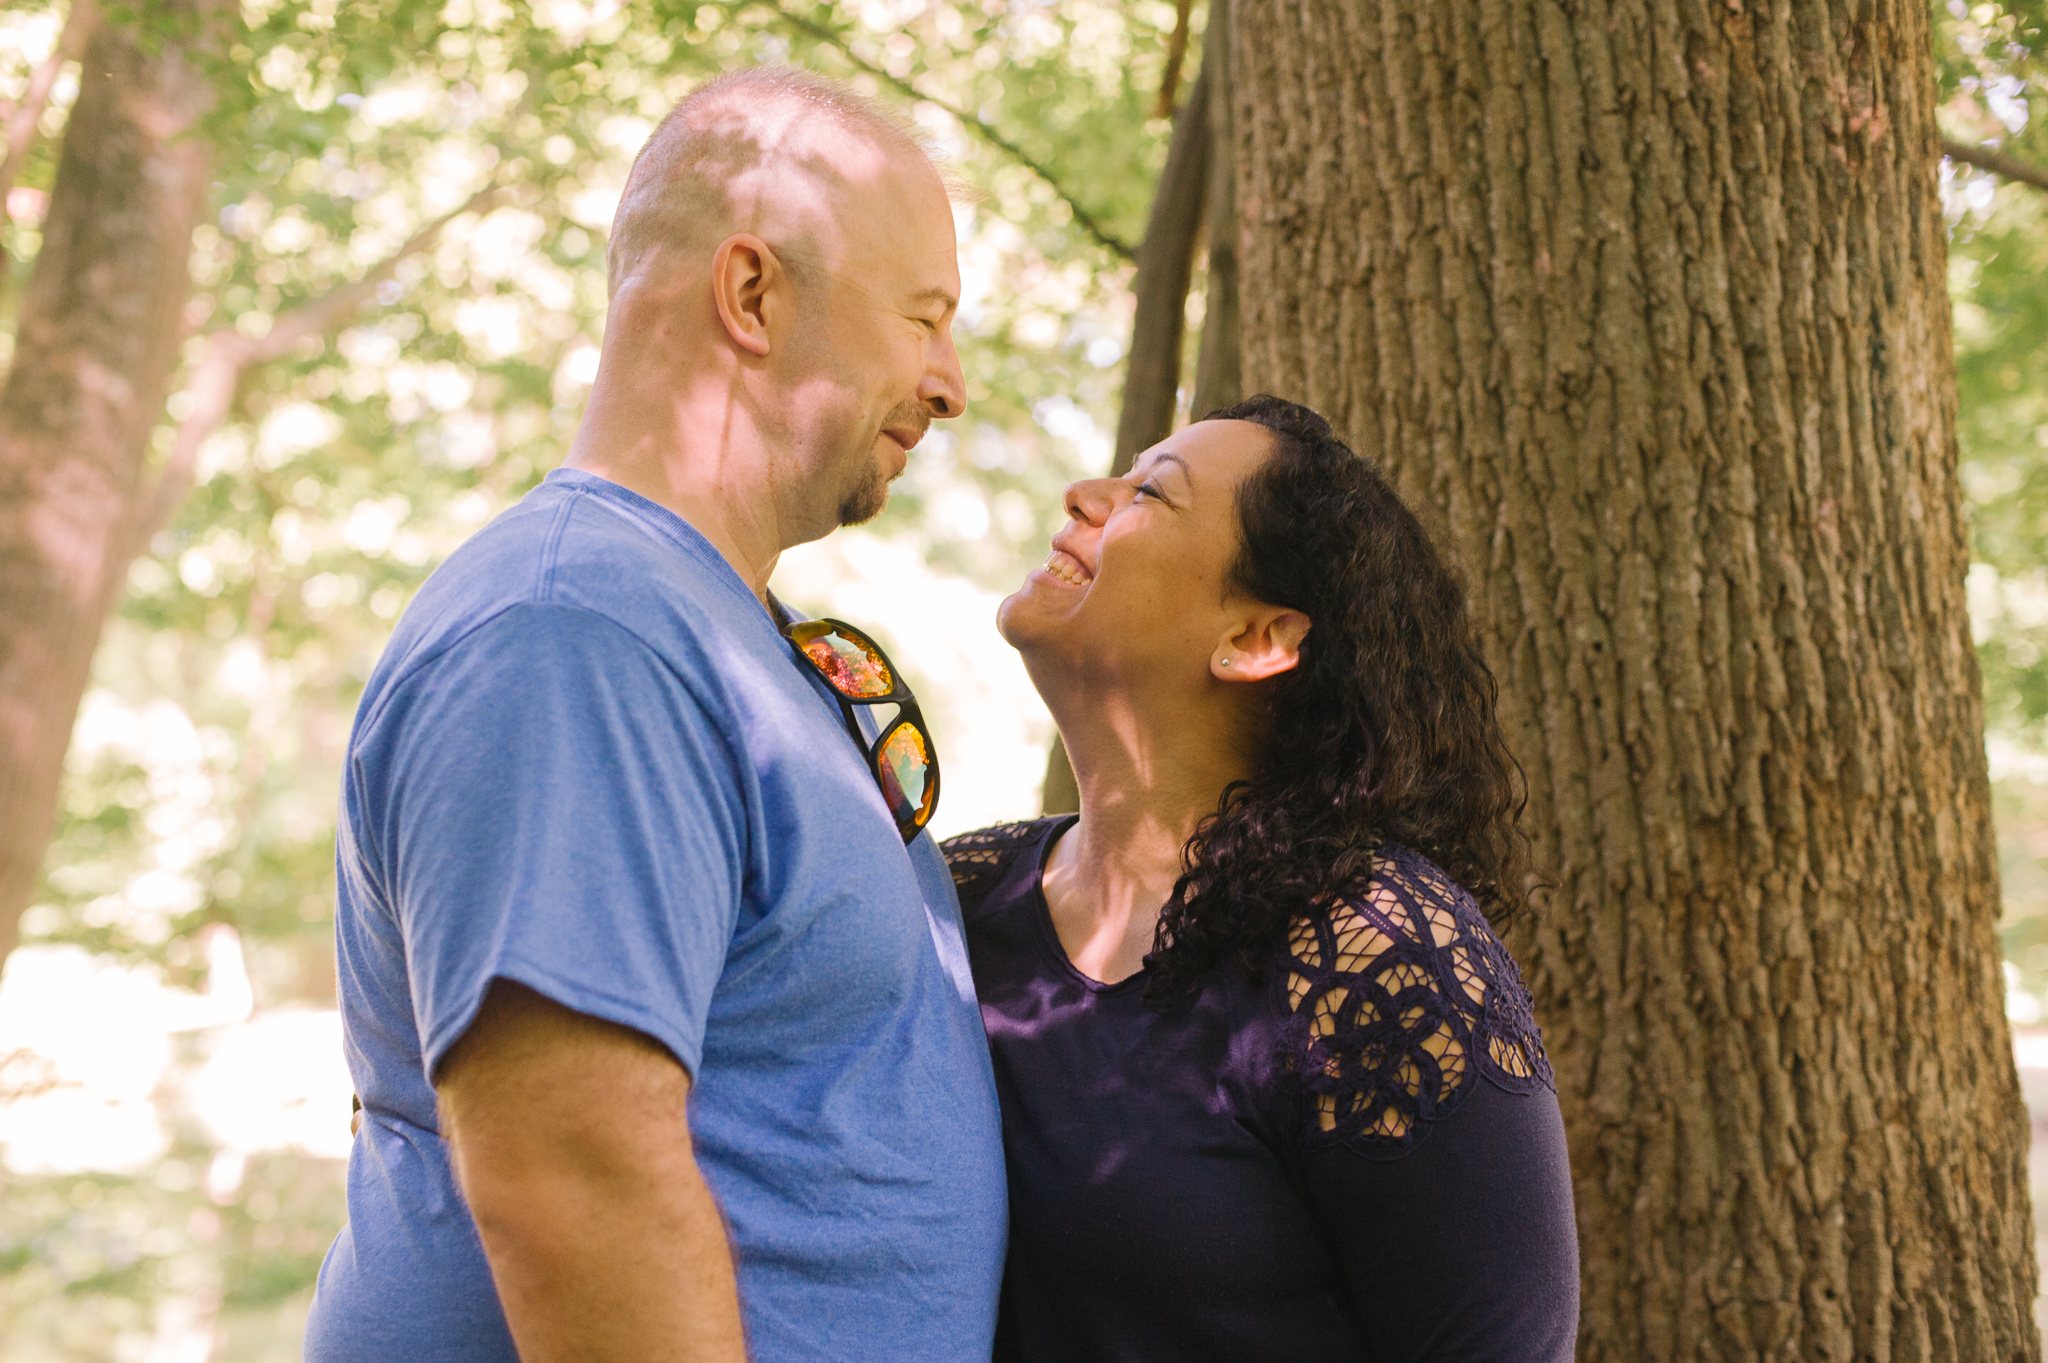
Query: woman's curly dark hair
[[1385, 730]]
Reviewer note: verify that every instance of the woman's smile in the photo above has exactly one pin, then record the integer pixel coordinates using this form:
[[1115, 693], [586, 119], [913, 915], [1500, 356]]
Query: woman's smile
[[1277, 683], [1064, 567]]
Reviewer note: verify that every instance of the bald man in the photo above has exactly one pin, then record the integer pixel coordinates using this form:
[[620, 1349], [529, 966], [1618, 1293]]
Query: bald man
[[665, 1039]]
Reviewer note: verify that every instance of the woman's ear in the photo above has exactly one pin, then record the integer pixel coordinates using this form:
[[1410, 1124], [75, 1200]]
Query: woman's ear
[[743, 270], [1265, 645]]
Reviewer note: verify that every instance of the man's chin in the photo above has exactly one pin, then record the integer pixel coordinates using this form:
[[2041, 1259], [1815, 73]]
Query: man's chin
[[866, 500]]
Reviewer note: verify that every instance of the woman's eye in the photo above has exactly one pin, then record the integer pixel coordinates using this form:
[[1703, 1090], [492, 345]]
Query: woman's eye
[[1146, 490]]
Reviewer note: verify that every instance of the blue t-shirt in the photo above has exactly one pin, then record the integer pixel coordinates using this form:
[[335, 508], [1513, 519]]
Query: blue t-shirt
[[589, 763]]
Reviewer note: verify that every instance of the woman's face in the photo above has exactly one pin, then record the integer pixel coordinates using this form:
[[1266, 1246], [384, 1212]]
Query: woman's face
[[1136, 583]]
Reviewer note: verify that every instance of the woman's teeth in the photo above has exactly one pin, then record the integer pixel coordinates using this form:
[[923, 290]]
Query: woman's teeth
[[1066, 568]]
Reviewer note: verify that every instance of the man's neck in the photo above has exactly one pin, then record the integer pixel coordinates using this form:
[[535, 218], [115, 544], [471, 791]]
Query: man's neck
[[720, 486]]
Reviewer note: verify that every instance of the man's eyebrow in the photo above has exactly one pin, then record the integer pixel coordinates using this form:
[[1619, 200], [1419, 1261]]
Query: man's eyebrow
[[935, 294]]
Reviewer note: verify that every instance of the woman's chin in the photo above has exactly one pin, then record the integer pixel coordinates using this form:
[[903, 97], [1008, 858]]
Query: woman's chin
[[1009, 616], [1035, 611]]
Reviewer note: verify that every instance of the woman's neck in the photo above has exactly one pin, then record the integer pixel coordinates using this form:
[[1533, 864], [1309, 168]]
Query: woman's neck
[[1147, 775]]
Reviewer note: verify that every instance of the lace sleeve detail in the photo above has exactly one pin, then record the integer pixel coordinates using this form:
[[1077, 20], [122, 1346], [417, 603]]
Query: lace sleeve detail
[[1397, 999], [979, 859]]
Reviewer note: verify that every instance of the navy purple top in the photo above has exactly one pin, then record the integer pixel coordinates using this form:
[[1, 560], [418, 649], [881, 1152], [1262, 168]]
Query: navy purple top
[[1359, 1156]]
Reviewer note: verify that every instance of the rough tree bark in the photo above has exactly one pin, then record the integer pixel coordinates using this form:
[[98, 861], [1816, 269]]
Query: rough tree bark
[[96, 339], [1644, 304]]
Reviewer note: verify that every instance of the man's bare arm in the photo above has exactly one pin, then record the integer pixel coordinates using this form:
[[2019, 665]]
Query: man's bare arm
[[570, 1143]]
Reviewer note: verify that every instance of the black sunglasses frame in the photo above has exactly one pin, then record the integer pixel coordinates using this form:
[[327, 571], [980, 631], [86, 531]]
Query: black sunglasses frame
[[908, 715]]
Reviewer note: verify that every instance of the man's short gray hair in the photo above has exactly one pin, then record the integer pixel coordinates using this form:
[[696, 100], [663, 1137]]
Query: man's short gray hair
[[679, 186]]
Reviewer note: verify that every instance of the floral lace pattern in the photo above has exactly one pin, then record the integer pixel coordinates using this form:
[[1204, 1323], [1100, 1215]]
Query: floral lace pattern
[[1399, 998], [979, 859]]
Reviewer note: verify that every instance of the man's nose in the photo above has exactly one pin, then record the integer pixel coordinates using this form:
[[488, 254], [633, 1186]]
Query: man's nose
[[944, 390]]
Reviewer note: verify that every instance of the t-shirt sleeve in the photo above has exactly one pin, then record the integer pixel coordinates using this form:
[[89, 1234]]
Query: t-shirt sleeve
[[1464, 1249], [548, 802]]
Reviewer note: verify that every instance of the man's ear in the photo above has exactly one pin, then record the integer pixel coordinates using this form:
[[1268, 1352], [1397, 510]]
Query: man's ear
[[743, 271], [1263, 645]]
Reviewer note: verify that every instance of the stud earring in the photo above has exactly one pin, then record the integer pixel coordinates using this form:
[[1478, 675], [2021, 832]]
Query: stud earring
[[1224, 663]]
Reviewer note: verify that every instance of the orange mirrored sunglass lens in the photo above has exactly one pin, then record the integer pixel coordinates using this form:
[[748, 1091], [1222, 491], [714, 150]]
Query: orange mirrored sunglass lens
[[850, 665], [906, 770]]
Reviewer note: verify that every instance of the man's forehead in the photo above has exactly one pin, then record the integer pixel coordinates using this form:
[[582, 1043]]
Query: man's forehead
[[902, 224]]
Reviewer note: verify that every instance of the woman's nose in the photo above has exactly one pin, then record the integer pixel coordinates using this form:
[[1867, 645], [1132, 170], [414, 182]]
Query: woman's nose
[[1092, 499]]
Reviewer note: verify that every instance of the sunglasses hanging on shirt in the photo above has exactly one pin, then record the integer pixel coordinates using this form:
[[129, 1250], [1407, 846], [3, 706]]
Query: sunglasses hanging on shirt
[[901, 758]]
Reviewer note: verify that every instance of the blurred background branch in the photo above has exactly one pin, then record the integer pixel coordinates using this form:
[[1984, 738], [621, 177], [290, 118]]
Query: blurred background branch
[[22, 115], [1089, 221], [211, 386], [1997, 162], [1176, 54]]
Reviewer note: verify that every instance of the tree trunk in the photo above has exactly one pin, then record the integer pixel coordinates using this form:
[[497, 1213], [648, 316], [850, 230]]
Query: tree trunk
[[96, 340], [1166, 262], [1645, 307]]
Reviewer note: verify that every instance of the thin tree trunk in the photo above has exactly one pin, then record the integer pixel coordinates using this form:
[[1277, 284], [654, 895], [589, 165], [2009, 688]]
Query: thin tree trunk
[[1645, 306], [1166, 262], [96, 340], [1218, 365]]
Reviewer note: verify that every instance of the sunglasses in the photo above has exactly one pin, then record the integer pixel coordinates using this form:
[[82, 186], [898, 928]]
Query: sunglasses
[[901, 759]]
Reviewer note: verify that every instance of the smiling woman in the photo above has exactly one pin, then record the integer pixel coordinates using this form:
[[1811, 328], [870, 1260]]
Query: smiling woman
[[1271, 1083]]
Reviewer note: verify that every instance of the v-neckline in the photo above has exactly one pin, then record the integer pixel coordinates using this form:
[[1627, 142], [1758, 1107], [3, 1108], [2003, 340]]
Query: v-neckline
[[1049, 936]]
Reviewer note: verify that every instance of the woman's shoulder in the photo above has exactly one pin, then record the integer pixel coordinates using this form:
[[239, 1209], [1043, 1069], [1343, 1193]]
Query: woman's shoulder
[[980, 860], [1401, 998]]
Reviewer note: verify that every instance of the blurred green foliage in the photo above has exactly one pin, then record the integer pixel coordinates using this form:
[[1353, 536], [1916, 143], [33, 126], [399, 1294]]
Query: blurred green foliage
[[1994, 89]]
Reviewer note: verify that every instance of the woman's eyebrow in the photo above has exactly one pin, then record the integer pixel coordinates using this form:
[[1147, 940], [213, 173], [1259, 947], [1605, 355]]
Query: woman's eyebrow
[[1168, 456]]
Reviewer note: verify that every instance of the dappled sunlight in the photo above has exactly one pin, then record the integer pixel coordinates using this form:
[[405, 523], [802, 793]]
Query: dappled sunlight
[[92, 1043], [276, 1082], [95, 1039]]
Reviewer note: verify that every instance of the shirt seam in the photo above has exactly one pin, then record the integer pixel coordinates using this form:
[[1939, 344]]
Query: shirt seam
[[620, 499], [551, 547]]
